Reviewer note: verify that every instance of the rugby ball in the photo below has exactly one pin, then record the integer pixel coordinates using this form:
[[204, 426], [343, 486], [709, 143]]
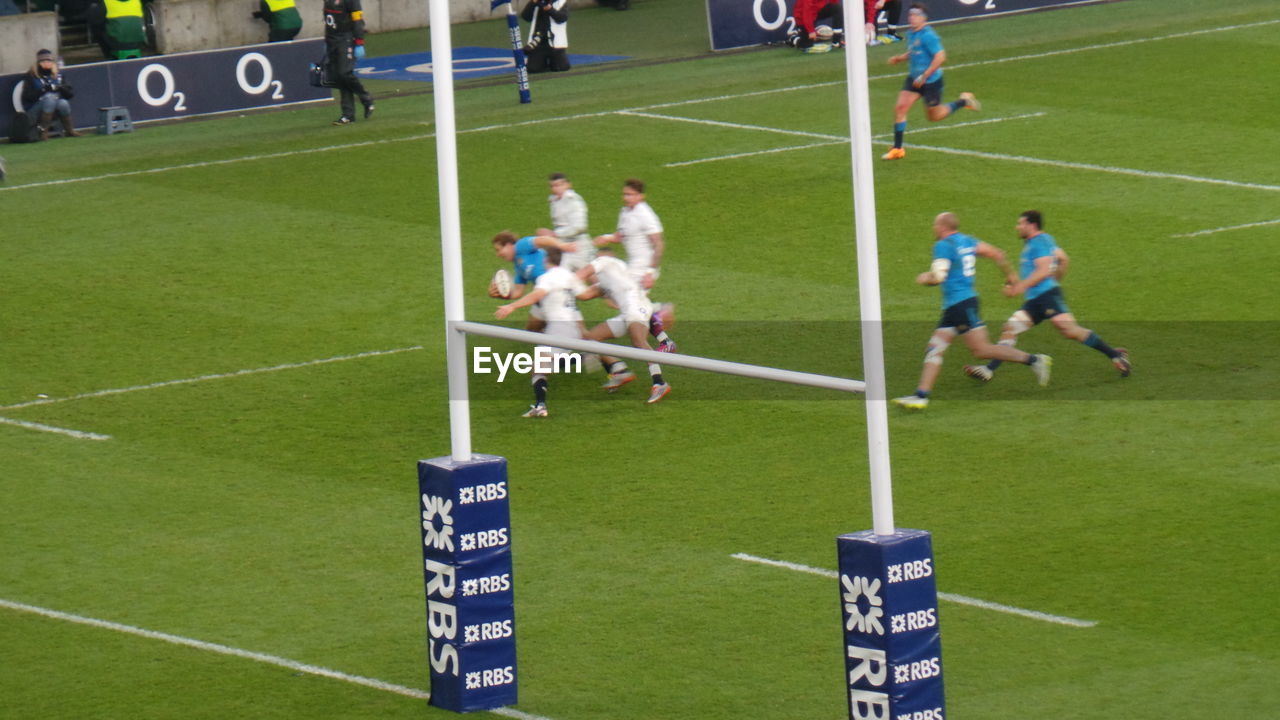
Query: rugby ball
[[502, 282]]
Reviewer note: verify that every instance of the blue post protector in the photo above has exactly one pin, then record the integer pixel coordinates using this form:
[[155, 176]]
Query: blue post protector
[[889, 604], [466, 550]]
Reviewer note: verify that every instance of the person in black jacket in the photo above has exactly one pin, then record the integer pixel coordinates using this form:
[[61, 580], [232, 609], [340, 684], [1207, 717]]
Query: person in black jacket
[[548, 47], [45, 93], [344, 44]]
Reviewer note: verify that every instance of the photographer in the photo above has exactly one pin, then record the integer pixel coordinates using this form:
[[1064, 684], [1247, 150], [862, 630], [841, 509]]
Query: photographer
[[548, 48], [45, 93]]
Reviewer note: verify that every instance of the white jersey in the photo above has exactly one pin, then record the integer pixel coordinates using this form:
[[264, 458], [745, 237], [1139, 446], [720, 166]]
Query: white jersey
[[560, 304], [635, 225], [569, 221]]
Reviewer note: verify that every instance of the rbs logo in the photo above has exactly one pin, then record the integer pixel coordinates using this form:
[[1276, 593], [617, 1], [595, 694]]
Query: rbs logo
[[914, 570], [482, 493]]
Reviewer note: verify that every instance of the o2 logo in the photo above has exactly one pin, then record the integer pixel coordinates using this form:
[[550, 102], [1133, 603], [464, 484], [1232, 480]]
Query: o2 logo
[[989, 5], [779, 13], [170, 91], [276, 87]]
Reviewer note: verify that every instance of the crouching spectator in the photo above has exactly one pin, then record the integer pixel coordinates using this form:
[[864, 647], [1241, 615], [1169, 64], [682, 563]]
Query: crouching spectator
[[45, 94]]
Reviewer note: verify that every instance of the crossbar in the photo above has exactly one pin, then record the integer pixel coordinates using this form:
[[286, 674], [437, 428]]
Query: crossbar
[[693, 362]]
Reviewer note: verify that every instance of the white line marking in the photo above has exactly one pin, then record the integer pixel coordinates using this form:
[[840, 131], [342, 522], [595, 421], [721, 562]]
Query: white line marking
[[736, 126], [246, 654], [678, 103], [210, 163], [959, 599], [1090, 166], [80, 434], [969, 123], [770, 151], [1228, 227], [735, 156], [205, 378]]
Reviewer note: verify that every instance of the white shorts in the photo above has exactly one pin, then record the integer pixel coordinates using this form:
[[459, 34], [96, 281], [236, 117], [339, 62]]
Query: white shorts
[[535, 312], [554, 359], [631, 313]]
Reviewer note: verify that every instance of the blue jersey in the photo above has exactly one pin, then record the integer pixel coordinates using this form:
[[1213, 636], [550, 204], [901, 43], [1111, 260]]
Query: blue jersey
[[1038, 246], [962, 252], [530, 261], [923, 46]]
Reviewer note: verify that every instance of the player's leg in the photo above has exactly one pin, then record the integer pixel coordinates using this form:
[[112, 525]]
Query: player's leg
[[663, 317], [1067, 325], [1019, 322], [640, 338], [938, 344], [619, 374], [983, 349], [936, 110], [906, 98]]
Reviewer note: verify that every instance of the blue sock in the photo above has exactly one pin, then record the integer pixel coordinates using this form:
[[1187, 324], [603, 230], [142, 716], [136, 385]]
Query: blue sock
[[898, 130], [993, 365], [1098, 344], [922, 393], [956, 105]]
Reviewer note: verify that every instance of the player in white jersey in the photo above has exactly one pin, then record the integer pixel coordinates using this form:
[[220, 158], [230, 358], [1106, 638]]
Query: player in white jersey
[[640, 233], [555, 293], [569, 221], [610, 278]]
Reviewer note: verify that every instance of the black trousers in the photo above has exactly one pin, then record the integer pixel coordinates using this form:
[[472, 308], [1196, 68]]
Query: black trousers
[[543, 58], [340, 53]]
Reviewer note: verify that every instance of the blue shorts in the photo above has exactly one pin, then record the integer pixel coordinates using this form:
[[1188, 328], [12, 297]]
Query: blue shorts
[[962, 317], [932, 91], [1045, 305]]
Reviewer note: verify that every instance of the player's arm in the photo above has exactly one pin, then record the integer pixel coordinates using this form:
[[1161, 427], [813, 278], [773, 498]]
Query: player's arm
[[1043, 269], [607, 239], [1064, 260], [659, 245], [526, 301], [938, 58], [996, 255], [591, 293], [516, 291], [895, 59], [551, 241], [936, 273]]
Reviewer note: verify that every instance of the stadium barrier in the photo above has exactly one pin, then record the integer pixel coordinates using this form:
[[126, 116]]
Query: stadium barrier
[[25, 34], [743, 23], [189, 84], [466, 551], [188, 25]]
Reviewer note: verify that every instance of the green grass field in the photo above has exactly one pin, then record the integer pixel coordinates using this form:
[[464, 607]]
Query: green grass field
[[275, 512]]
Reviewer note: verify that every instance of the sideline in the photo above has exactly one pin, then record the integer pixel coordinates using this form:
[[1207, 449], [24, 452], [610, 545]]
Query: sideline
[[958, 599], [246, 654]]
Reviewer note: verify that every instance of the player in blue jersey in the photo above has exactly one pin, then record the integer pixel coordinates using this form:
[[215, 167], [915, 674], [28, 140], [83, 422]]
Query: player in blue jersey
[[1043, 264], [527, 256], [926, 56], [955, 261]]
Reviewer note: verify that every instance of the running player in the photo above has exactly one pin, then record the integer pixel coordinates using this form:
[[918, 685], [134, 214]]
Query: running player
[[955, 260], [1041, 266], [527, 255], [640, 233], [924, 79]]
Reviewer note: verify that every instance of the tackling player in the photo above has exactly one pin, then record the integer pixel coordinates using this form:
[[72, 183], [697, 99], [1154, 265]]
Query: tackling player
[[924, 79], [609, 278], [955, 260], [1041, 266], [569, 221], [555, 292]]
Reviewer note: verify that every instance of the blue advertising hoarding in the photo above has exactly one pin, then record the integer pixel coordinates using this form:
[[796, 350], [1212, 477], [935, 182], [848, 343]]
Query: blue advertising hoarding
[[187, 84], [743, 23]]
